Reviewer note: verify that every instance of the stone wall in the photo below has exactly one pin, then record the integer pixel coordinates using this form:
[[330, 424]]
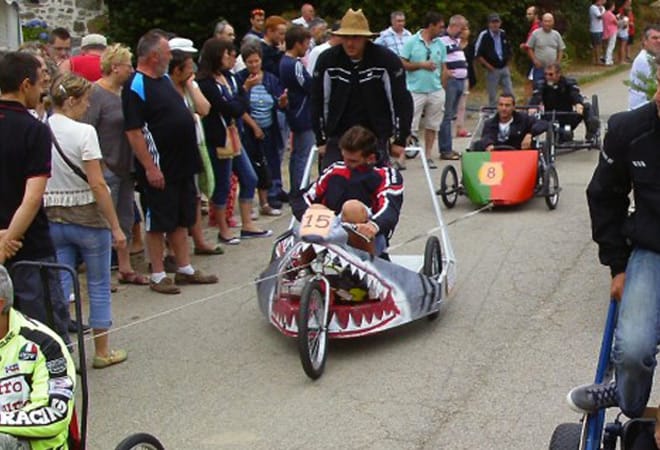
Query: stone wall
[[78, 16]]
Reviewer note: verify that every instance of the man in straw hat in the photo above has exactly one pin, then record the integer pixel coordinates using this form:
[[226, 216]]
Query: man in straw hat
[[359, 83]]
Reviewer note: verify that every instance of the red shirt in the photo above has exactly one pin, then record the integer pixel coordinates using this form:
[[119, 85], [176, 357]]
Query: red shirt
[[87, 66], [535, 25], [631, 21]]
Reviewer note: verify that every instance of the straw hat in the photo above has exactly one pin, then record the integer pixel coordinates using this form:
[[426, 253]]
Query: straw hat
[[354, 23]]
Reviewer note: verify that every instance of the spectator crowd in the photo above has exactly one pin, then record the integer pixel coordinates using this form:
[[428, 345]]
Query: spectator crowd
[[207, 130]]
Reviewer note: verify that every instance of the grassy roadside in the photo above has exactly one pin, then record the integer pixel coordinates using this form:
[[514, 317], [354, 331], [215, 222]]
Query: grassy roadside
[[583, 73]]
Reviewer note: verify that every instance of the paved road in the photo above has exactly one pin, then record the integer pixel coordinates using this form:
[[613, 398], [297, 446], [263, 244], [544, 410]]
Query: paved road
[[522, 326]]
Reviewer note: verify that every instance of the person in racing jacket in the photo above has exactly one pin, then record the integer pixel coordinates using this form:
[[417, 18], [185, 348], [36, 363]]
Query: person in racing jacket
[[369, 196], [561, 94], [36, 383], [509, 127], [629, 243]]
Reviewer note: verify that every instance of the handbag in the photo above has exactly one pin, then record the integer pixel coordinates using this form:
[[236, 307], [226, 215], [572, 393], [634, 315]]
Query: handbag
[[232, 145], [206, 178]]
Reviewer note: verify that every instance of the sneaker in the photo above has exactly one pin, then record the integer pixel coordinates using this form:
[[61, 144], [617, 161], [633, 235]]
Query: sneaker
[[590, 398], [268, 210], [196, 278], [463, 134], [164, 286], [255, 234], [114, 357], [451, 156], [431, 164]]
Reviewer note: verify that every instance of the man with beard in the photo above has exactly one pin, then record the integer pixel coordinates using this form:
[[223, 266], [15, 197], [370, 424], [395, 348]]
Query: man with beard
[[161, 132]]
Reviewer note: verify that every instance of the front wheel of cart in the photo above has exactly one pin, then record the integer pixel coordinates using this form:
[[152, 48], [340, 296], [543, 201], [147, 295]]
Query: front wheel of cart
[[140, 441], [433, 264], [566, 437], [449, 187], [552, 186], [312, 329]]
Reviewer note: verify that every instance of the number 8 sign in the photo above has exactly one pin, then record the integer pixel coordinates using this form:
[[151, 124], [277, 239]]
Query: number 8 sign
[[491, 173]]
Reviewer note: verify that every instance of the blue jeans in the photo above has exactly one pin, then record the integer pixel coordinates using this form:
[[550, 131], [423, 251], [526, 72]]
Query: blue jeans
[[495, 78], [93, 244], [538, 74], [453, 94], [283, 125], [222, 168], [637, 332], [302, 144]]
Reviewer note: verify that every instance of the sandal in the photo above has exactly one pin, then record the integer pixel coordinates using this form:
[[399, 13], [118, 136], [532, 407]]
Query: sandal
[[132, 278], [217, 250], [114, 357]]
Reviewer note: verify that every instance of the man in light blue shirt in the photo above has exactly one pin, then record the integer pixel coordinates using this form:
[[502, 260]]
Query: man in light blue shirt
[[424, 57], [395, 36]]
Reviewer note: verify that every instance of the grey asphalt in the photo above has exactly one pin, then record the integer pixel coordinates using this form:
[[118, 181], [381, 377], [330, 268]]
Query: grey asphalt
[[522, 327]]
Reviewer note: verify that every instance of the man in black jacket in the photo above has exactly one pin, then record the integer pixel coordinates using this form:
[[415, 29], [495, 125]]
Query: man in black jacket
[[630, 245], [561, 94], [509, 127], [359, 83], [493, 51]]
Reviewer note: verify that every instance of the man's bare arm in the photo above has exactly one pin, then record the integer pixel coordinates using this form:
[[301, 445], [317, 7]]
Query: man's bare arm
[[27, 211]]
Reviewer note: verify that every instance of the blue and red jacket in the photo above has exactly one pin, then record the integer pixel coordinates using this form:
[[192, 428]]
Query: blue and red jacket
[[379, 188]]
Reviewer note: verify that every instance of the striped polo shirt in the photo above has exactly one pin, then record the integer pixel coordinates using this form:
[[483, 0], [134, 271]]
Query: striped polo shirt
[[456, 63]]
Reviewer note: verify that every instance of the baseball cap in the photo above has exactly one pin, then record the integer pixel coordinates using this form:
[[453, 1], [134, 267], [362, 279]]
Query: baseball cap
[[182, 44], [94, 39], [494, 17]]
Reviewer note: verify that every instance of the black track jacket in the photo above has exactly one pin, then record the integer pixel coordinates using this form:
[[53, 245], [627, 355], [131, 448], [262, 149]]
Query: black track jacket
[[382, 88], [630, 160]]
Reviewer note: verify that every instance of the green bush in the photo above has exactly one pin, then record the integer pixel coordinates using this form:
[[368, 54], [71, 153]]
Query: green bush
[[35, 30], [195, 19]]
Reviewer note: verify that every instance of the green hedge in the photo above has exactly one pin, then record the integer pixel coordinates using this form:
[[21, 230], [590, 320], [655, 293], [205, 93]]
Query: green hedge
[[195, 19]]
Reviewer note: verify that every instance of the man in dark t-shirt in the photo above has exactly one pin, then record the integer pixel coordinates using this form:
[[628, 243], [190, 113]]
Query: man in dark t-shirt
[[161, 132], [25, 146]]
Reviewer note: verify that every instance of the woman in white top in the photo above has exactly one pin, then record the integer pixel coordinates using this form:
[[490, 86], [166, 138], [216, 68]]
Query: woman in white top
[[79, 207]]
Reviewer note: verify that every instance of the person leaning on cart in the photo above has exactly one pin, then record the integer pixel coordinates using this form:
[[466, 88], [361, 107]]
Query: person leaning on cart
[[369, 196], [37, 386], [630, 245], [509, 127]]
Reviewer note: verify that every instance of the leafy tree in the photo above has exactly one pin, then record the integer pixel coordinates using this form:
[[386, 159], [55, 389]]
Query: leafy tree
[[195, 19]]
